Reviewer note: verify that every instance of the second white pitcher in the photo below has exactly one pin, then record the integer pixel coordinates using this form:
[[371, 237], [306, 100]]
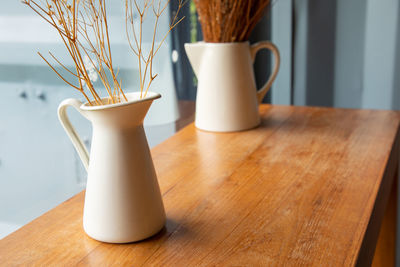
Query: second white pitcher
[[227, 98]]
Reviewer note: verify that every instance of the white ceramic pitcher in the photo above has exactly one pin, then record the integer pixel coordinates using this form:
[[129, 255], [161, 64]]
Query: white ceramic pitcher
[[123, 201], [227, 98]]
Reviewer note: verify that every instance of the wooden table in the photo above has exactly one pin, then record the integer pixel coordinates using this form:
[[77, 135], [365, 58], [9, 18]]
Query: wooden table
[[307, 187]]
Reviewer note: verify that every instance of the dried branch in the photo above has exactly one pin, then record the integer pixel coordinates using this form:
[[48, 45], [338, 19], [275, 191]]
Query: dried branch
[[83, 28], [86, 38], [145, 63], [229, 20]]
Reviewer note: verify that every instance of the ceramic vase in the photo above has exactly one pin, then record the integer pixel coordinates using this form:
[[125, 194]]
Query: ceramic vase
[[123, 201], [227, 99]]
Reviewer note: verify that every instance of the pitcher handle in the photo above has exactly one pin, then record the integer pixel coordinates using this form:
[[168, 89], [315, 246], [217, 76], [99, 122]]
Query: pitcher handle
[[71, 132], [253, 51]]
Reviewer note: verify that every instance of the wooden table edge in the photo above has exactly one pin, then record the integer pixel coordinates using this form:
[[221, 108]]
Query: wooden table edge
[[387, 188]]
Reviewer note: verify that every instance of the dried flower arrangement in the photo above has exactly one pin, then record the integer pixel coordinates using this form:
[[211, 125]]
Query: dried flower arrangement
[[224, 21], [83, 28]]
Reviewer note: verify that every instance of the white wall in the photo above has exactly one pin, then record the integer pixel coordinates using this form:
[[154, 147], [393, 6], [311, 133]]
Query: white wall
[[381, 54]]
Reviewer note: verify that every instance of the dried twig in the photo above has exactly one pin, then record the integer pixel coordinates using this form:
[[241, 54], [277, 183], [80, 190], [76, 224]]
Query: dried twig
[[83, 28], [229, 20], [75, 21], [145, 62]]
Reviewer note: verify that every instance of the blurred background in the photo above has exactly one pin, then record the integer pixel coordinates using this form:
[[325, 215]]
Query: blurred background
[[340, 53]]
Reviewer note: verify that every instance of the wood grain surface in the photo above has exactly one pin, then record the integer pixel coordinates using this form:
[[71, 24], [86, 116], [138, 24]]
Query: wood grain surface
[[308, 187]]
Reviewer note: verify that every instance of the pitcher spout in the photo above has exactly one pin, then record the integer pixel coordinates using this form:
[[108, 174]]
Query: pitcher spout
[[195, 51], [121, 115]]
